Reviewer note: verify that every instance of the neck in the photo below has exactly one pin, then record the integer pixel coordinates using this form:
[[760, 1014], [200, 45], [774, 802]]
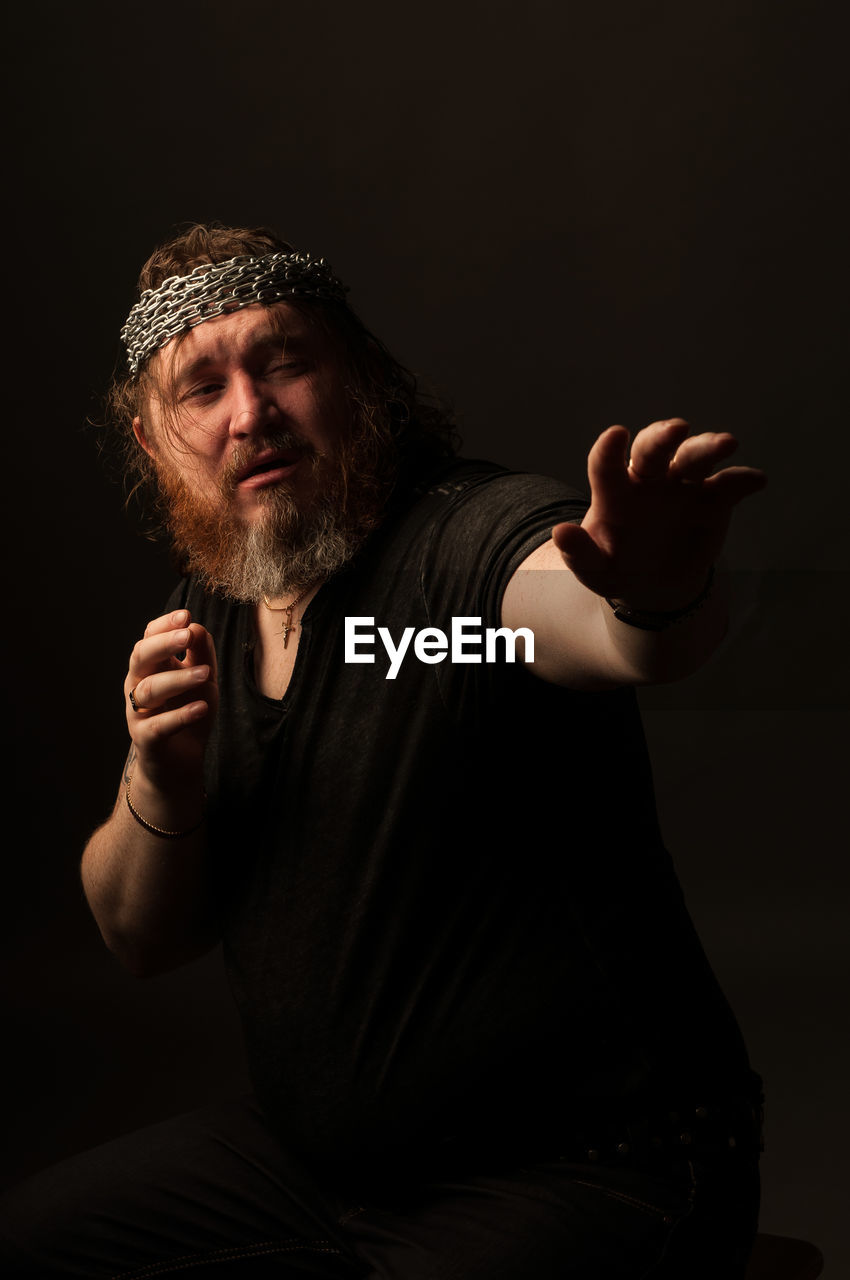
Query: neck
[[278, 618]]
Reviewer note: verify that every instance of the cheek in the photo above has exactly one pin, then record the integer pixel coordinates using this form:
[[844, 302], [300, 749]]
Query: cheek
[[188, 467], [197, 447], [331, 414]]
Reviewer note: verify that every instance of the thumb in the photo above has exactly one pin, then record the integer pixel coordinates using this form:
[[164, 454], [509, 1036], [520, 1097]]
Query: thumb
[[579, 551], [584, 558]]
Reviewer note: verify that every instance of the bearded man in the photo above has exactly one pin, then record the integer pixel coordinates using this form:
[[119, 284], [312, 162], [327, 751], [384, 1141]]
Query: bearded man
[[484, 1038]]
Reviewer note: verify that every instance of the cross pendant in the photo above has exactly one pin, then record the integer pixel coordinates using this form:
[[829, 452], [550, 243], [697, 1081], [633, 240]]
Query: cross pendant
[[289, 625]]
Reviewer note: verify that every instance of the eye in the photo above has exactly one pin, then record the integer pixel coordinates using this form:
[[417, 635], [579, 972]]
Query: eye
[[202, 391], [290, 368]]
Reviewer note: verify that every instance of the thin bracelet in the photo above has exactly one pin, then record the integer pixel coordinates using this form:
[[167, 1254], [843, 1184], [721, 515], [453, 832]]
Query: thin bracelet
[[648, 620], [149, 826]]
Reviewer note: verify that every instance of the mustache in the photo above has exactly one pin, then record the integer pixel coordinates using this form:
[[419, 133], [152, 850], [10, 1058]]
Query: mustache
[[244, 454]]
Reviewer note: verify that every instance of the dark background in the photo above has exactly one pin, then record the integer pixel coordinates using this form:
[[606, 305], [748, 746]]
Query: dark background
[[563, 218]]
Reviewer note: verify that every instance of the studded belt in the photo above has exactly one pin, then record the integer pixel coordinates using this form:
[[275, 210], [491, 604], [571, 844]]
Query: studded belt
[[650, 1138], [734, 1125]]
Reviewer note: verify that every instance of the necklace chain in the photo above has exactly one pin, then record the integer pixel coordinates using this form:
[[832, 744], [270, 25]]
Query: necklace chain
[[289, 625]]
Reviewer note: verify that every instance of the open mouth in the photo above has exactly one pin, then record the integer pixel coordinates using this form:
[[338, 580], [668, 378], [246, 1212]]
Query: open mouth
[[268, 468]]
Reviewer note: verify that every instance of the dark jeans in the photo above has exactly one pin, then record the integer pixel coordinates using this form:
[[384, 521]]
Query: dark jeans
[[214, 1190]]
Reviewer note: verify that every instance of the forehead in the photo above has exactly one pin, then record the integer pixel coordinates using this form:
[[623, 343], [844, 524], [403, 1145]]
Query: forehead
[[235, 335]]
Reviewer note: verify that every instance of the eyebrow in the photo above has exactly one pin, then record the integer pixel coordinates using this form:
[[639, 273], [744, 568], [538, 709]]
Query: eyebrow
[[289, 342]]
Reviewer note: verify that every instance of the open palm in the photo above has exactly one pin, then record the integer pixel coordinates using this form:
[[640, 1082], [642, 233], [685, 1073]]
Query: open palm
[[658, 515]]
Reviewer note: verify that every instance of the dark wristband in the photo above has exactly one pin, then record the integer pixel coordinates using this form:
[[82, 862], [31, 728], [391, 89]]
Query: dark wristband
[[649, 620]]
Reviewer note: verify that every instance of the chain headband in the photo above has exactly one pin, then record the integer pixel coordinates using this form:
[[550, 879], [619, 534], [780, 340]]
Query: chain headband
[[181, 302]]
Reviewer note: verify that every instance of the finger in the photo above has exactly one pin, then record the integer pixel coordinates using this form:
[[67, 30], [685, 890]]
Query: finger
[[168, 621], [155, 652], [201, 648], [585, 559], [579, 551], [607, 461], [733, 484], [153, 692], [654, 446], [697, 456], [168, 723]]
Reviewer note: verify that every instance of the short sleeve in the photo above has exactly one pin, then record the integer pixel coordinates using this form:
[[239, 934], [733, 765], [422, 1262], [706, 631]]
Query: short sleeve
[[486, 533]]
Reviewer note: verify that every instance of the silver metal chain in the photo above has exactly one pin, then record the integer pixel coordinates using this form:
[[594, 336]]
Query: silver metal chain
[[181, 302]]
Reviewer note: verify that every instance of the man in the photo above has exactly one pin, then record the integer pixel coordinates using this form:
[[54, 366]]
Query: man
[[385, 748]]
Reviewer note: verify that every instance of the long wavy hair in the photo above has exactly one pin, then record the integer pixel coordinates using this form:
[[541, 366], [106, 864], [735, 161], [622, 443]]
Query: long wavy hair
[[391, 417]]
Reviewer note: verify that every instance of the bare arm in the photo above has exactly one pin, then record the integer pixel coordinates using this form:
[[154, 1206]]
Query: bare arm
[[149, 892], [656, 524]]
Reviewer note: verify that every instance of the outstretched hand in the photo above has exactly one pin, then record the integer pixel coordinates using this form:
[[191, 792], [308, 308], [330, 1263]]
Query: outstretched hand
[[658, 515]]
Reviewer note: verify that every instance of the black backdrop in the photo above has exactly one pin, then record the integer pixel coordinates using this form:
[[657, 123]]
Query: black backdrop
[[562, 217]]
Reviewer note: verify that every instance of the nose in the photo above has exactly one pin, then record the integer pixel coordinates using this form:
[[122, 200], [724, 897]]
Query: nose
[[253, 409]]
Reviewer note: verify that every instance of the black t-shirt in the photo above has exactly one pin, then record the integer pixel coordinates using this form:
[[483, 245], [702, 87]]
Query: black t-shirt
[[444, 897]]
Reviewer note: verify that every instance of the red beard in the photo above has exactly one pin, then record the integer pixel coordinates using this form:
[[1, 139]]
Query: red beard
[[299, 540]]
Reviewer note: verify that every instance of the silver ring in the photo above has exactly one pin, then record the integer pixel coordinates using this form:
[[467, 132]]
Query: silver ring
[[133, 703]]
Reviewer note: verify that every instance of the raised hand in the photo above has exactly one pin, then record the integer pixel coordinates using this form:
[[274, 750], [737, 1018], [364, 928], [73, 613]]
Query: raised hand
[[155, 909], [171, 699], [658, 515]]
